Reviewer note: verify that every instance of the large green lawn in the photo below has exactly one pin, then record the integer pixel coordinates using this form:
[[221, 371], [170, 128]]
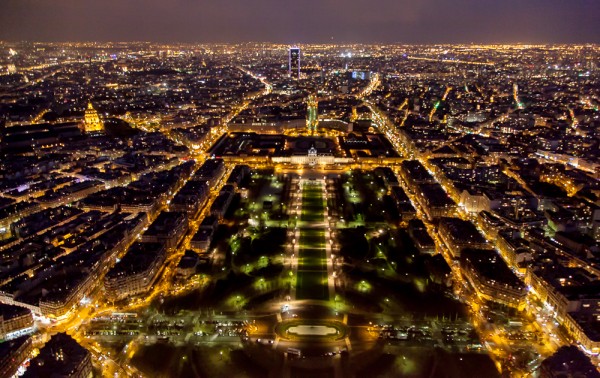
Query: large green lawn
[[312, 259], [312, 204], [312, 238], [312, 285]]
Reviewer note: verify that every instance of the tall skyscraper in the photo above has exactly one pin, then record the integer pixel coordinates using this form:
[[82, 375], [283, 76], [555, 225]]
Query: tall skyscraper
[[294, 62]]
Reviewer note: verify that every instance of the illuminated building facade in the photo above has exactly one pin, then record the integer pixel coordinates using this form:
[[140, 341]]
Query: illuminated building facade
[[136, 272], [14, 321], [92, 122], [13, 353]]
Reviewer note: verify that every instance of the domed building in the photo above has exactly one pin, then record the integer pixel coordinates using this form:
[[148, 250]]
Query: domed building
[[92, 122]]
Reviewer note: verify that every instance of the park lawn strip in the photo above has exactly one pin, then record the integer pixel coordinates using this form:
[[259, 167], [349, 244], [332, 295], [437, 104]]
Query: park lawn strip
[[312, 260]]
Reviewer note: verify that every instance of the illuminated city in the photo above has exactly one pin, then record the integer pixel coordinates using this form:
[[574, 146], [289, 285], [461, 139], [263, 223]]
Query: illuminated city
[[299, 210]]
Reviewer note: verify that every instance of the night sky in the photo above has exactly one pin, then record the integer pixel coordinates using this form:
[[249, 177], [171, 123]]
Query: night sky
[[302, 21]]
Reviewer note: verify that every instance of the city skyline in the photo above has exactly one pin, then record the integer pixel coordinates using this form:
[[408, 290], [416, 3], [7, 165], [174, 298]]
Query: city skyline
[[365, 196], [358, 21]]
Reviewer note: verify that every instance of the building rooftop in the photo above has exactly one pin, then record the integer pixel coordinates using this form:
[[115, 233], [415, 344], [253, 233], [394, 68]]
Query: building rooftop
[[62, 356], [417, 172], [137, 260], [436, 196], [10, 311], [461, 230], [568, 362], [165, 223], [489, 265]]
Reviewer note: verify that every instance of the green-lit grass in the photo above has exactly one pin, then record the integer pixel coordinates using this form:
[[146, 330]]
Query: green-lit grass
[[312, 285], [313, 259], [312, 262], [312, 204], [312, 238]]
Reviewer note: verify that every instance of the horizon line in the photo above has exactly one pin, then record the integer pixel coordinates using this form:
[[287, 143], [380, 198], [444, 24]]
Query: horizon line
[[313, 43]]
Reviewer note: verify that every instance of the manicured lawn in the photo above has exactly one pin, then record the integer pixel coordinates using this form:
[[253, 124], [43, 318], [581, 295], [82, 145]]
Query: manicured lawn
[[312, 259], [312, 285], [312, 204], [312, 238], [312, 263]]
